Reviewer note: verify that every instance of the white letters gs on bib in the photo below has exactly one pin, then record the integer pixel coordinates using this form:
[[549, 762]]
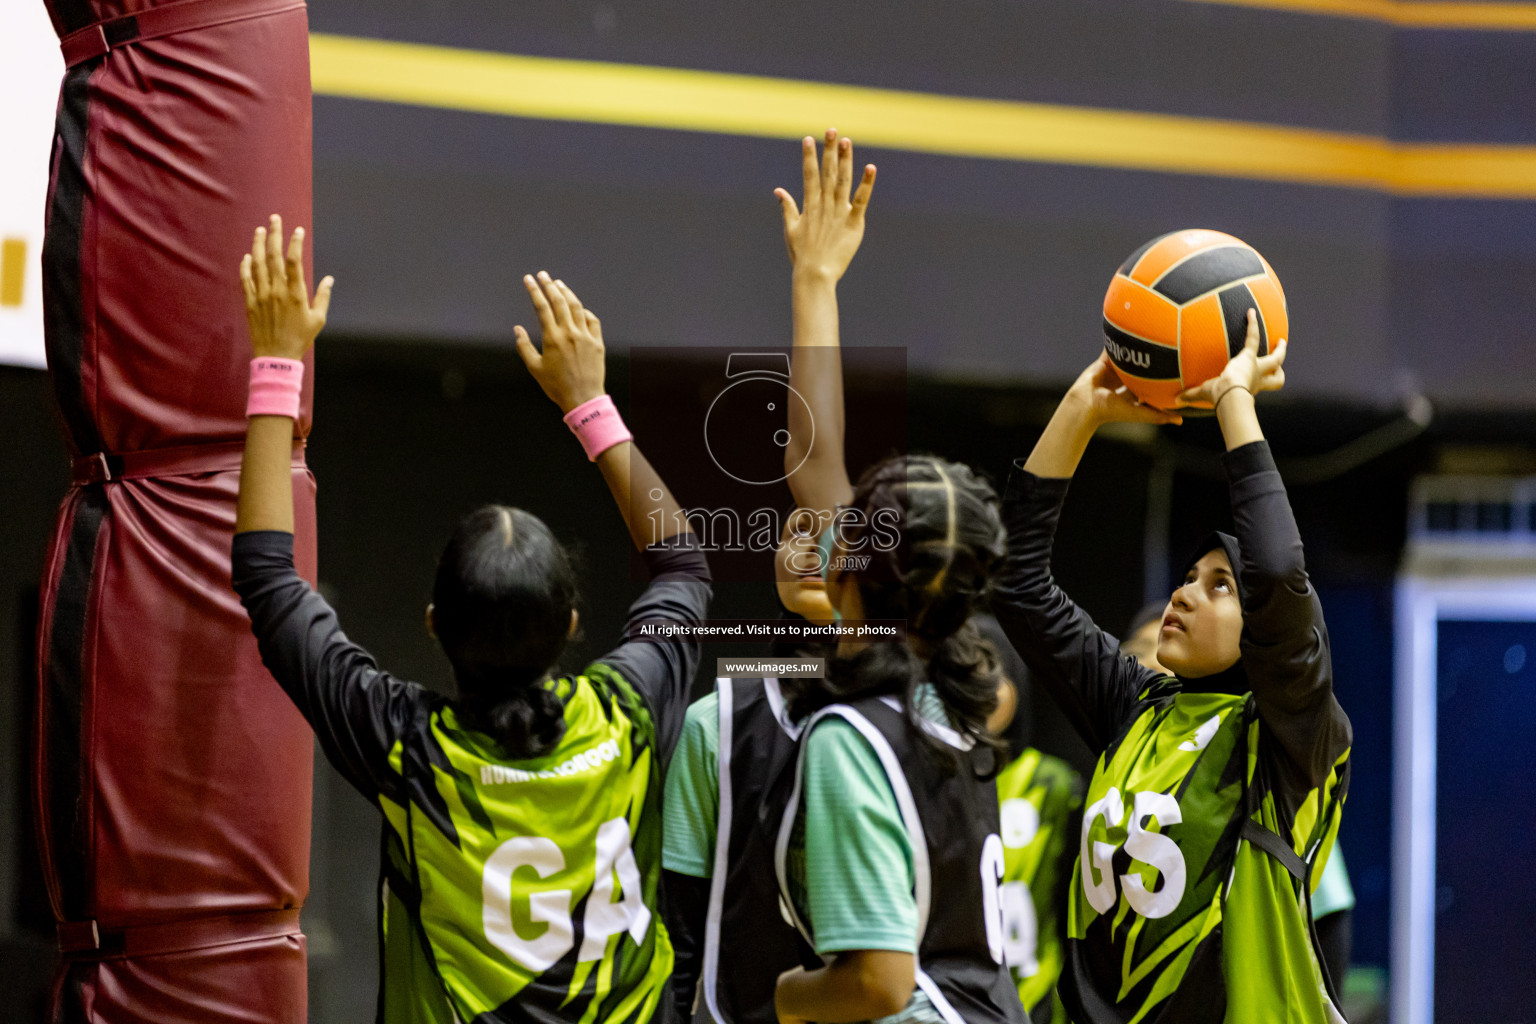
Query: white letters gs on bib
[[1151, 848]]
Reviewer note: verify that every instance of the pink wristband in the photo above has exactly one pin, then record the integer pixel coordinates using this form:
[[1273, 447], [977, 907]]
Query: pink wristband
[[597, 426], [275, 387]]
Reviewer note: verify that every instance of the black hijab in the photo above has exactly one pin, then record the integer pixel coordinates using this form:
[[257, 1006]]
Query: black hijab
[[1235, 679]]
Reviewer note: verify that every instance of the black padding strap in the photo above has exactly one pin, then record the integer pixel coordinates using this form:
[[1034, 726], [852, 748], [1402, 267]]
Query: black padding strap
[[1272, 844]]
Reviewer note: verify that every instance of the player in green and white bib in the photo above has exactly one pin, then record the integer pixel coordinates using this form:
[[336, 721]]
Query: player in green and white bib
[[1217, 795], [522, 839], [887, 855]]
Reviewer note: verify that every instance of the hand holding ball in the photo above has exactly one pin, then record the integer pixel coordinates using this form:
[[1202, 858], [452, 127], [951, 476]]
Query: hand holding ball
[[1177, 311]]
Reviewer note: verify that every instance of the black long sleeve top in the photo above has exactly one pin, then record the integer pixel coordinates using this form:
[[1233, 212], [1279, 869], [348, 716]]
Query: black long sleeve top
[[358, 710], [1284, 645]]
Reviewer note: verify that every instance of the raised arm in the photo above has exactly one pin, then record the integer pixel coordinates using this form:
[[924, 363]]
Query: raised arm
[[284, 324], [1097, 397], [1284, 645], [356, 710], [822, 239], [570, 368], [1081, 665]]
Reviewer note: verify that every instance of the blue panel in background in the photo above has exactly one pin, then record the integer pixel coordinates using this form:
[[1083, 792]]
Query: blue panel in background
[[1484, 840], [1360, 625]]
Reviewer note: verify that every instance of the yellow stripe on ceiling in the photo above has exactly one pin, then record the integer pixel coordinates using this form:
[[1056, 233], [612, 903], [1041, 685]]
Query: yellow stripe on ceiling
[[1495, 17], [712, 101]]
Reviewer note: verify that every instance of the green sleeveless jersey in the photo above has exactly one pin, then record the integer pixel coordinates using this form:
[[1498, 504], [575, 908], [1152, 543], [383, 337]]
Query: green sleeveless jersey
[[1040, 798], [520, 882], [1216, 800], [1183, 885], [512, 890]]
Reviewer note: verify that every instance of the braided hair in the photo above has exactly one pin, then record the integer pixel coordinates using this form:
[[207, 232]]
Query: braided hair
[[501, 605], [950, 542]]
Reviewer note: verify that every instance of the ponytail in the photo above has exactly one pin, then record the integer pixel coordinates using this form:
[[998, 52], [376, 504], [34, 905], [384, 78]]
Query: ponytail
[[966, 671], [525, 718], [951, 542], [502, 603]]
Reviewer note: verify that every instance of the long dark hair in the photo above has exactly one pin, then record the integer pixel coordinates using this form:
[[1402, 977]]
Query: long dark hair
[[501, 608], [950, 542]]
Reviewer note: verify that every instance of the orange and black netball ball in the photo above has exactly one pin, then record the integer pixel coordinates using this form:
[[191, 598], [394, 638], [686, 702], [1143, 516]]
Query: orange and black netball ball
[[1177, 310]]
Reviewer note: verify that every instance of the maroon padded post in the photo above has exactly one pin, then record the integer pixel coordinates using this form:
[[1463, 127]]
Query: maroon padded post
[[172, 776]]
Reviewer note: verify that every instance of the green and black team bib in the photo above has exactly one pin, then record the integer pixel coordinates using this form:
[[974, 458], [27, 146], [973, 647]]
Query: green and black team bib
[[1039, 798], [527, 890], [1189, 896], [950, 813]]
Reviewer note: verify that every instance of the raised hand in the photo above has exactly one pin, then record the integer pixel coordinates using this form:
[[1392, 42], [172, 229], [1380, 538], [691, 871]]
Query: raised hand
[[1097, 397], [823, 236], [570, 365], [283, 321], [1247, 370], [1103, 398]]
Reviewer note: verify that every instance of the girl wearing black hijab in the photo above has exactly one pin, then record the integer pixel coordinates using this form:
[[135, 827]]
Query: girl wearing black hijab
[[1218, 791]]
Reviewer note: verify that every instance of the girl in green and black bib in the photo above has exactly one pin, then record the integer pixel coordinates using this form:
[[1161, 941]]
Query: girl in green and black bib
[[1218, 791], [522, 826]]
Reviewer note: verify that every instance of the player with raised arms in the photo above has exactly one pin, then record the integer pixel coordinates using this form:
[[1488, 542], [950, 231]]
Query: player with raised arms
[[732, 939], [522, 821], [1039, 793], [1218, 792], [888, 856]]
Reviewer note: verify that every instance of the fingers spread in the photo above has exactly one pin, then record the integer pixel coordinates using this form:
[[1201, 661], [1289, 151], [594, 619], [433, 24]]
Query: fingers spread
[[275, 270], [787, 204], [1103, 371], [577, 312], [322, 306], [1190, 396], [248, 283], [1152, 414], [1277, 354], [531, 357], [259, 264], [829, 165], [294, 266], [1251, 342]]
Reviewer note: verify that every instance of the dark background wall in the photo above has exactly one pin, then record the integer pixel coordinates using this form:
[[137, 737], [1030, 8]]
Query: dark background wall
[[989, 273], [978, 267]]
